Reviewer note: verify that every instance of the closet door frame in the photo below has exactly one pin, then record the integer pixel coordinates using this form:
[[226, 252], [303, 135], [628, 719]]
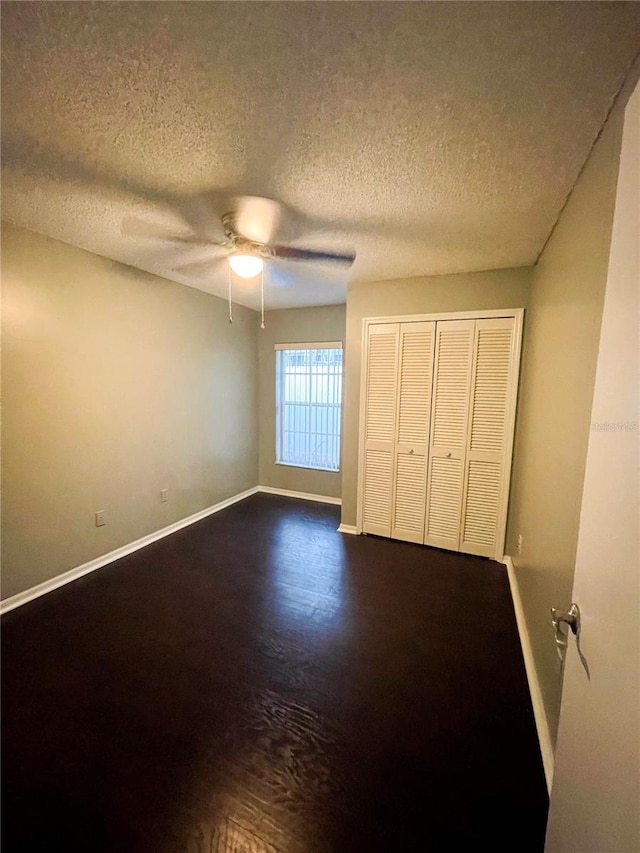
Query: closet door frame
[[518, 317]]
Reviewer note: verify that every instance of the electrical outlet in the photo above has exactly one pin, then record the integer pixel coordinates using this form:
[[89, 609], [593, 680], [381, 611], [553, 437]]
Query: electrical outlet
[[100, 522], [164, 495], [519, 545]]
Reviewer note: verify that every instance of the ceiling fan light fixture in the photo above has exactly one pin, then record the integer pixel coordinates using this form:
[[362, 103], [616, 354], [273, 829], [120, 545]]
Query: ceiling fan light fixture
[[246, 266]]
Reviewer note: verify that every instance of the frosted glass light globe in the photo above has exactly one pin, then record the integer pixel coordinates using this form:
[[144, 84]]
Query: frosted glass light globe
[[246, 266]]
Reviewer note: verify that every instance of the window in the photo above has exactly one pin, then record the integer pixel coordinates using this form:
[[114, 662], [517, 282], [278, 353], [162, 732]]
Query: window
[[308, 403]]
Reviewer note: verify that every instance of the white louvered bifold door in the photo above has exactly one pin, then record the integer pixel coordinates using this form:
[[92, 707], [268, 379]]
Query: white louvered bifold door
[[488, 435], [380, 427], [416, 348], [449, 426]]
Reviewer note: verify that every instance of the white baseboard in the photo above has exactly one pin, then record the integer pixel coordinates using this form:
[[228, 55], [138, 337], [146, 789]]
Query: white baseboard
[[73, 574], [305, 496], [348, 528], [542, 724]]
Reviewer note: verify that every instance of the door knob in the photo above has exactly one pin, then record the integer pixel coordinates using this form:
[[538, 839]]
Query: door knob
[[570, 617]]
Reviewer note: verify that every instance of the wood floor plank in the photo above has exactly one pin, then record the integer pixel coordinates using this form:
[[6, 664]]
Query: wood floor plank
[[260, 683]]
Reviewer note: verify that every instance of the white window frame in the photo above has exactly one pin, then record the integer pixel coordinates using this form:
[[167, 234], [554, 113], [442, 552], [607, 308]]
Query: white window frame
[[279, 426]]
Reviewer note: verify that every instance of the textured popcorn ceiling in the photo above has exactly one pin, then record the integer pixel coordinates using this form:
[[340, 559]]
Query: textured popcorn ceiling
[[430, 137]]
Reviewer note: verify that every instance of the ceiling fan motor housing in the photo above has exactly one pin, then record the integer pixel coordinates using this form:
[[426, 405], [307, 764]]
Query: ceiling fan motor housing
[[241, 244]]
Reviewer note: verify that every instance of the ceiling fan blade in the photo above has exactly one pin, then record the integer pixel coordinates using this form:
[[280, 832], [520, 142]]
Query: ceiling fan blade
[[174, 257], [291, 254], [199, 269], [132, 226]]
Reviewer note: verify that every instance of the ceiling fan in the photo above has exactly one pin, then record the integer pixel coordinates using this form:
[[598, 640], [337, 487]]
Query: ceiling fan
[[248, 230], [247, 241]]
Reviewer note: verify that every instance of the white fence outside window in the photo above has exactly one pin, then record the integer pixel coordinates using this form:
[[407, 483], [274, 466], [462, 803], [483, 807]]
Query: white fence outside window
[[308, 405]]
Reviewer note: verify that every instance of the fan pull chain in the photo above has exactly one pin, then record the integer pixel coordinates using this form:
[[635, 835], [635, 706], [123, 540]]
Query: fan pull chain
[[230, 308], [262, 294]]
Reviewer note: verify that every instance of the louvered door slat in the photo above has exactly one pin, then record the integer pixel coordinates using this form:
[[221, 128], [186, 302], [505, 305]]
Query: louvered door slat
[[377, 495], [451, 390], [417, 342], [449, 425], [408, 512], [444, 502], [490, 394], [381, 385], [380, 427], [482, 504], [416, 368]]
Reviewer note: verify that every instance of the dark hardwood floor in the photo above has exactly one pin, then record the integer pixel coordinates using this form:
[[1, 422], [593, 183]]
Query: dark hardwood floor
[[260, 682]]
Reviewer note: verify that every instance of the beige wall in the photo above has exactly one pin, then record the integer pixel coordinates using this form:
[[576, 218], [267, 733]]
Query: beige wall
[[437, 294], [296, 325], [116, 384], [559, 359]]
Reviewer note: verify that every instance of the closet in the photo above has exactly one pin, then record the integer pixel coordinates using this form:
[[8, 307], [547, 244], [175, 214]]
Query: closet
[[438, 405]]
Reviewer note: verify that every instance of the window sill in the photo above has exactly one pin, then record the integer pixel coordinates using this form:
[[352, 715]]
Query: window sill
[[307, 467]]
